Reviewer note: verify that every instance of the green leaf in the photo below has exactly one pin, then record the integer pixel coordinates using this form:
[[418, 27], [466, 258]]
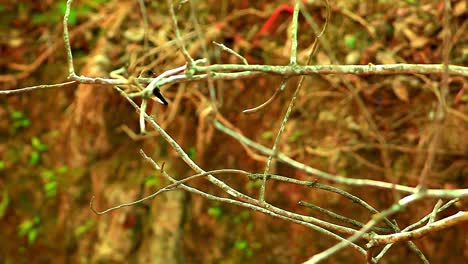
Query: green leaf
[[27, 225], [50, 189], [25, 122], [151, 181], [16, 115], [24, 227], [267, 135], [241, 244], [21, 123], [61, 7], [192, 152], [84, 10], [2, 165], [81, 229], [295, 136], [98, 2], [34, 158], [4, 203], [62, 169], [350, 41], [249, 227], [48, 175], [464, 97], [244, 215], [56, 13], [215, 211], [44, 18], [32, 235], [37, 144], [19, 119], [255, 184]]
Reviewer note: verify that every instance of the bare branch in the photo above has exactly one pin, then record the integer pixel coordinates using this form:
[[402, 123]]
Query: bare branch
[[445, 223], [442, 106], [229, 50], [66, 39], [177, 33], [341, 218], [38, 87], [185, 157], [294, 29], [267, 102], [411, 227], [375, 219], [371, 69], [169, 187], [241, 71], [439, 193], [258, 208]]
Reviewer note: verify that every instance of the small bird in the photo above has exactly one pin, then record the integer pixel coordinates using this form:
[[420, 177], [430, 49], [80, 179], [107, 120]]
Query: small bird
[[156, 92]]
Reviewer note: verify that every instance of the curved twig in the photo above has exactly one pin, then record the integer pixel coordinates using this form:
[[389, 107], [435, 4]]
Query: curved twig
[[169, 187], [272, 98]]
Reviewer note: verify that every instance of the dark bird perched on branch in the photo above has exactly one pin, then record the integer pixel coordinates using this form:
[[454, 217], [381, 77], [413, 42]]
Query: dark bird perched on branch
[[156, 92]]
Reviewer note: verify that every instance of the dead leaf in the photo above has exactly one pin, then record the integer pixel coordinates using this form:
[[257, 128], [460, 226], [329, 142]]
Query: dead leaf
[[353, 57], [416, 41], [385, 57], [400, 90], [459, 8], [323, 59]]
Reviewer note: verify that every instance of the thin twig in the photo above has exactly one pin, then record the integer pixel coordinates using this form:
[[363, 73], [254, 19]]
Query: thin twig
[[439, 193], [255, 208], [211, 86], [144, 14], [293, 61], [384, 153], [38, 87], [328, 188], [233, 52], [375, 219], [272, 98], [295, 26], [341, 218], [177, 33], [241, 71], [184, 156], [433, 215], [371, 69], [229, 189], [66, 39], [167, 188], [442, 105], [411, 227], [447, 222]]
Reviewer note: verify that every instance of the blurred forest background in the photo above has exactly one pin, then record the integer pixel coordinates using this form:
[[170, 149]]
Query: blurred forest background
[[59, 147]]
